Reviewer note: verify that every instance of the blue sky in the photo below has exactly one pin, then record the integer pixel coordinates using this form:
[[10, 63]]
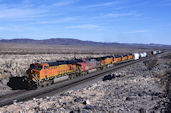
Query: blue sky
[[125, 21]]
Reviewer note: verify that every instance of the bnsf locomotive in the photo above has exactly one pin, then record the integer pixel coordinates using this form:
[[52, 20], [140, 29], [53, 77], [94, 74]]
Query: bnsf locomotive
[[44, 74]]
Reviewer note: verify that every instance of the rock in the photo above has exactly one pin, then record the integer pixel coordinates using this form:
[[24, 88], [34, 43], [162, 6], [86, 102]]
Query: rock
[[89, 107], [47, 97], [15, 102], [156, 107], [107, 77], [79, 99], [142, 110], [63, 104], [140, 94], [143, 93], [34, 99], [64, 94], [155, 94], [87, 102], [72, 112], [84, 111], [129, 99], [37, 108]]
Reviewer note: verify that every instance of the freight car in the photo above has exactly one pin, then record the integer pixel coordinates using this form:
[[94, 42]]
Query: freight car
[[46, 73], [149, 53], [136, 56], [154, 52]]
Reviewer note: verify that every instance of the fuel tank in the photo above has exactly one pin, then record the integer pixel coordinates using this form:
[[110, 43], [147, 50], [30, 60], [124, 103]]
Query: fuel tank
[[59, 79]]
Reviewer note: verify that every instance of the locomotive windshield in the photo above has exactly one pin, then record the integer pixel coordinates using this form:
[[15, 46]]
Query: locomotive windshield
[[32, 66]]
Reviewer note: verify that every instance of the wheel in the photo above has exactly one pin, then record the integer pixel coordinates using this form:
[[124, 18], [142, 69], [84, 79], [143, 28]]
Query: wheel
[[71, 76], [51, 82], [77, 75], [47, 84], [32, 85]]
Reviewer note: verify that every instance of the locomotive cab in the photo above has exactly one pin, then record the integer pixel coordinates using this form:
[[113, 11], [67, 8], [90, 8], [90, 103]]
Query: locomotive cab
[[35, 73], [37, 69]]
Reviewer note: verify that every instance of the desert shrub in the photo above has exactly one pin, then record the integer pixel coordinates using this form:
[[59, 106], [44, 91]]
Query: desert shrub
[[150, 64], [169, 71], [2, 76], [167, 56]]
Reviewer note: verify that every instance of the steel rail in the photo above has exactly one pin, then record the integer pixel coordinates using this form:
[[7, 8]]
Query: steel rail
[[11, 93]]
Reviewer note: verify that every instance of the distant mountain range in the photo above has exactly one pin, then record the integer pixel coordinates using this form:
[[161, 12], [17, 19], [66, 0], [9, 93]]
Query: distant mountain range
[[76, 42], [53, 41]]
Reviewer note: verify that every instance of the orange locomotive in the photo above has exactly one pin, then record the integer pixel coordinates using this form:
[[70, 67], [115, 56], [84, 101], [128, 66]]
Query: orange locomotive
[[117, 59], [130, 56], [127, 57], [124, 58], [106, 61], [41, 74]]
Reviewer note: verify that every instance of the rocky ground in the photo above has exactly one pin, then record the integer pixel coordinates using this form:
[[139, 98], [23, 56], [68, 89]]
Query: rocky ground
[[134, 89]]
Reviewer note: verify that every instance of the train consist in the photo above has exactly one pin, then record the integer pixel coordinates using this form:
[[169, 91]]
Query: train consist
[[46, 73]]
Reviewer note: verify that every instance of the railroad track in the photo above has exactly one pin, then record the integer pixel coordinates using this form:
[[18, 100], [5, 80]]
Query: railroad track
[[23, 95], [11, 93]]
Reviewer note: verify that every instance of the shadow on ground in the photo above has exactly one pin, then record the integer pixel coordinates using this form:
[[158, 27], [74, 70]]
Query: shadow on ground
[[17, 83], [109, 77]]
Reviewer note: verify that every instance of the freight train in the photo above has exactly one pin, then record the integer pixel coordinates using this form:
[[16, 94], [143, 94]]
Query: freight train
[[47, 73]]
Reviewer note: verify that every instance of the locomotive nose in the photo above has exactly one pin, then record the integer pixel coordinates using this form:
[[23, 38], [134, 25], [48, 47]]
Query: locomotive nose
[[28, 71]]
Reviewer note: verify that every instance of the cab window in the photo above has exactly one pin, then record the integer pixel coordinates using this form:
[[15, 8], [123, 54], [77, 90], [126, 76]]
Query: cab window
[[32, 66], [39, 67], [45, 67]]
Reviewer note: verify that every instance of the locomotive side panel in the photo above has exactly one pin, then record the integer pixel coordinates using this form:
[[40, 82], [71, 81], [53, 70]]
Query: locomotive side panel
[[108, 61], [117, 59], [124, 58], [130, 57]]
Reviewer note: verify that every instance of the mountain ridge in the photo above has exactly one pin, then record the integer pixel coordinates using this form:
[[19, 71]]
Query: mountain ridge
[[72, 41]]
